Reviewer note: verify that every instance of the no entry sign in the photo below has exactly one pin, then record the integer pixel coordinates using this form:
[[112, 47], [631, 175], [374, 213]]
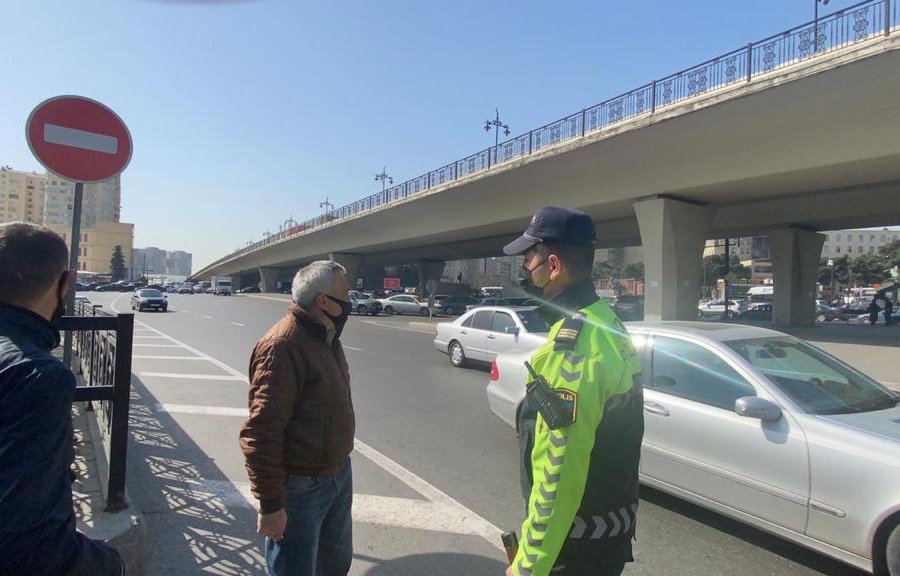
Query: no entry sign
[[78, 138]]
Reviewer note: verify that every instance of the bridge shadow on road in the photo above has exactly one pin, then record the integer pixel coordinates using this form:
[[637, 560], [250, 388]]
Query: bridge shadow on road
[[198, 522]]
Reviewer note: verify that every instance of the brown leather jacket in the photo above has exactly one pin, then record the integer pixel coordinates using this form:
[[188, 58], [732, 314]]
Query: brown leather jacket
[[301, 413]]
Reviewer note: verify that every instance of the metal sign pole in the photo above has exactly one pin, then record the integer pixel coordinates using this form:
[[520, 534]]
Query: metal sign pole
[[73, 265]]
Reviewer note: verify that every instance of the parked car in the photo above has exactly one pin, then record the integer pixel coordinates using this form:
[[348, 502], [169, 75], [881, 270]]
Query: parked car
[[864, 318], [404, 304], [186, 288], [761, 312], [762, 427], [716, 308], [488, 301], [115, 287], [364, 304], [454, 305], [480, 334], [149, 299], [628, 307], [249, 290], [829, 313]]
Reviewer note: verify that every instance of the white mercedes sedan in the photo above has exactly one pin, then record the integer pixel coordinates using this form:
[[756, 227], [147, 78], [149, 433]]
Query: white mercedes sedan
[[482, 333], [765, 428]]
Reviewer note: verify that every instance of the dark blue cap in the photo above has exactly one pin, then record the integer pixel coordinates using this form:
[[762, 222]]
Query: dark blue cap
[[549, 224]]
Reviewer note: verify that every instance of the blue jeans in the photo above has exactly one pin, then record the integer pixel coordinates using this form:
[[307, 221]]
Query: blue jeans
[[318, 539]]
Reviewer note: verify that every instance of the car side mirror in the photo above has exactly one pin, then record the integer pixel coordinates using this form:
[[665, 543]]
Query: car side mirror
[[514, 330], [759, 408]]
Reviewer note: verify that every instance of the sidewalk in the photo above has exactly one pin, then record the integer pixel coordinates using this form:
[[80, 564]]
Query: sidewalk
[[125, 530]]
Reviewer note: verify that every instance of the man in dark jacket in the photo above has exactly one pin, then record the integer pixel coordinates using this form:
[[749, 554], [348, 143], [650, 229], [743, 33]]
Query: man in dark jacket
[[37, 519], [298, 438]]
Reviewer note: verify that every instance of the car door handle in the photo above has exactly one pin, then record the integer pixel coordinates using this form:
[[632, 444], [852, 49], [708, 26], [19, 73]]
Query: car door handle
[[463, 331], [491, 337], [654, 408]]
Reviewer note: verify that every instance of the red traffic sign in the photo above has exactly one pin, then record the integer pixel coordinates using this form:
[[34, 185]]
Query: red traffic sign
[[391, 283], [78, 138]]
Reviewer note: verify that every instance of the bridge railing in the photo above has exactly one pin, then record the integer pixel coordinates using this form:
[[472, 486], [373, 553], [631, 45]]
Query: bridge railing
[[854, 24], [104, 345]]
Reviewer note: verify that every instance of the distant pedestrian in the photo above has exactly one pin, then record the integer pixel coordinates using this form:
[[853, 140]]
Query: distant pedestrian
[[873, 311], [298, 438], [37, 518], [888, 311]]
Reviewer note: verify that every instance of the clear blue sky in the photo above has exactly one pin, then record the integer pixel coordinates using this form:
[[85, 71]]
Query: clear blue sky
[[246, 113]]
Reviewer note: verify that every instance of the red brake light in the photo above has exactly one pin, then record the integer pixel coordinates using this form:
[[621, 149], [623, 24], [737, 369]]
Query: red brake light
[[495, 372]]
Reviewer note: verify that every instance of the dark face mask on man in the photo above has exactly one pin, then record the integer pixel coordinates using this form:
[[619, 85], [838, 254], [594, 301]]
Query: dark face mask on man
[[61, 294], [341, 319], [528, 284]]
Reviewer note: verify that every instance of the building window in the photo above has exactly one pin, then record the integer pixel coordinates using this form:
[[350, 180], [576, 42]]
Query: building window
[[84, 237], [849, 249], [861, 238], [837, 249], [837, 238], [871, 249], [871, 237]]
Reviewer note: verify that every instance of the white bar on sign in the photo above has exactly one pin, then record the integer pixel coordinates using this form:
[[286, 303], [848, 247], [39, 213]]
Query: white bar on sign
[[75, 138]]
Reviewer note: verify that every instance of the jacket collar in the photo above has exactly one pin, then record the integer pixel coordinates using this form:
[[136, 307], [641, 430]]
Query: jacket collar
[[569, 301], [313, 326], [17, 321]]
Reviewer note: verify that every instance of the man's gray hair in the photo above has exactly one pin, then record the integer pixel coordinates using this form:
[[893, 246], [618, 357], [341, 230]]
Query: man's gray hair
[[315, 279]]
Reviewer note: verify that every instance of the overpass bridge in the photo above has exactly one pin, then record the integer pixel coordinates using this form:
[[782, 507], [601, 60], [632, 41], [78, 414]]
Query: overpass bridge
[[783, 137]]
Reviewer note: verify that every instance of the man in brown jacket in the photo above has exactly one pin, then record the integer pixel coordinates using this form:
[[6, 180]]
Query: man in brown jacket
[[298, 438]]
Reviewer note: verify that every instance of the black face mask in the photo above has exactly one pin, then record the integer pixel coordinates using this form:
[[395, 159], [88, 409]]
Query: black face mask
[[528, 285], [341, 319], [60, 302]]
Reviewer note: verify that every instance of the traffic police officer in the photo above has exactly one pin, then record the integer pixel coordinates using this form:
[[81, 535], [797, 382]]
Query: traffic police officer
[[580, 473]]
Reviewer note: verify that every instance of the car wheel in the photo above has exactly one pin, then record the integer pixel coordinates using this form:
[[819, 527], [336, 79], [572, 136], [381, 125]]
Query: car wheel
[[892, 552], [164, 309], [388, 310], [362, 310], [821, 318], [423, 311], [457, 354]]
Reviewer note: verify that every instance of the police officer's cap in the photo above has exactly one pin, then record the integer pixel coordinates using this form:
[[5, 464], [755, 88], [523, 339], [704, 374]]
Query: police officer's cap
[[551, 224]]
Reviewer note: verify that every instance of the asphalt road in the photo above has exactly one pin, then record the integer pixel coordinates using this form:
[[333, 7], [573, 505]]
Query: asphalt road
[[436, 474]]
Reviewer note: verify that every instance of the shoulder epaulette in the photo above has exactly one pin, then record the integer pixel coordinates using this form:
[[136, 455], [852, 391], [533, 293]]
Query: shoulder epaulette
[[568, 332]]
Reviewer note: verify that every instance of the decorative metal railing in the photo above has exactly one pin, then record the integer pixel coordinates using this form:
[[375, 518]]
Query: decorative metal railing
[[103, 343], [863, 21]]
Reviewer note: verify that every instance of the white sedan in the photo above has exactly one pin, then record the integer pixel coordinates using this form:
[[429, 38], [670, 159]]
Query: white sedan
[[404, 304], [765, 428], [484, 332]]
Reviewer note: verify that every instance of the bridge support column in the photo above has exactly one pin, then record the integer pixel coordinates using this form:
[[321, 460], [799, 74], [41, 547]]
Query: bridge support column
[[268, 278], [673, 234], [429, 270], [352, 263], [795, 267]]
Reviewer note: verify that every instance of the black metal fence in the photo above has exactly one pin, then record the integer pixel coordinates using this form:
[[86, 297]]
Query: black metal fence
[[858, 23], [103, 343]]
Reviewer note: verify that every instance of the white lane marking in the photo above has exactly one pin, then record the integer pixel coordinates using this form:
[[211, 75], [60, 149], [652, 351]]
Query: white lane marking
[[439, 512], [157, 345], [190, 376], [207, 317], [355, 349], [141, 357], [417, 331], [203, 410], [238, 324], [55, 134], [196, 352]]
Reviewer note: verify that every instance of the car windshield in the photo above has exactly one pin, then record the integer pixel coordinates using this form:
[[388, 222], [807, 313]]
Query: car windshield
[[533, 322], [150, 293], [817, 382]]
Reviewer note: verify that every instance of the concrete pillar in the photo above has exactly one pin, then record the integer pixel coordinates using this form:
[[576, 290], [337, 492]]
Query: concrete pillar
[[673, 234], [795, 267], [268, 279], [429, 270], [353, 263]]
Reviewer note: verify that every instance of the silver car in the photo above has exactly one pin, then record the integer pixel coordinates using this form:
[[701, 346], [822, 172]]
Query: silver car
[[716, 308], [482, 333], [765, 428]]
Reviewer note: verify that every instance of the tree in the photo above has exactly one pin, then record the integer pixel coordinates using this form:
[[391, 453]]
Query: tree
[[868, 269], [714, 268], [891, 252], [117, 264], [634, 271]]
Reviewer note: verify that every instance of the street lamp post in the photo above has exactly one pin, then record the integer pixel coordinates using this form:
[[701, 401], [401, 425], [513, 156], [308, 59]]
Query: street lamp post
[[326, 206], [383, 178], [816, 22], [496, 124]]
